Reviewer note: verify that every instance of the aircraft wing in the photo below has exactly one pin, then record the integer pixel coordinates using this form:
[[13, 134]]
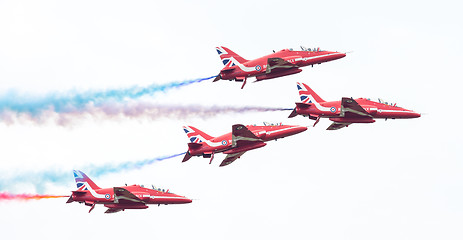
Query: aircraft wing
[[241, 133], [242, 140], [336, 126], [350, 108], [231, 158], [275, 63], [113, 210], [122, 195]]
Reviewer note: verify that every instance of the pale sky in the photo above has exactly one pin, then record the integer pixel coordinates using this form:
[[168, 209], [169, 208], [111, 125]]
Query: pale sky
[[394, 179]]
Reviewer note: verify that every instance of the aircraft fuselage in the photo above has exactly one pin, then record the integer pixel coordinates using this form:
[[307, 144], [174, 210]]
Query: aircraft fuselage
[[265, 133], [147, 196], [259, 68], [332, 110]]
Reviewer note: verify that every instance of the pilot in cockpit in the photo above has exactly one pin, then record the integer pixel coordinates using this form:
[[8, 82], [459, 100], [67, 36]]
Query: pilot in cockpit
[[311, 49]]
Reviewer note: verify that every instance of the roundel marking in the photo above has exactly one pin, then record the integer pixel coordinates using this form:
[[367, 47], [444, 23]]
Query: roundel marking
[[258, 68], [107, 196], [224, 142], [333, 109]]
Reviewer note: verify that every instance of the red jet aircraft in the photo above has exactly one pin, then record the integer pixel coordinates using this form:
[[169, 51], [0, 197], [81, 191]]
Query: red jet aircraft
[[347, 111], [234, 144], [277, 64], [120, 198]]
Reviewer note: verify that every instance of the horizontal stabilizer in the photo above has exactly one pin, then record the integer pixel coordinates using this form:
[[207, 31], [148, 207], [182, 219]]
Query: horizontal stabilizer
[[186, 157], [70, 200], [293, 113], [194, 145], [303, 105], [299, 106], [223, 71], [228, 70], [79, 192]]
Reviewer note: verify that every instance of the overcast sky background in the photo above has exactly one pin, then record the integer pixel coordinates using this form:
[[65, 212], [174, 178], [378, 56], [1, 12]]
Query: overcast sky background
[[395, 179]]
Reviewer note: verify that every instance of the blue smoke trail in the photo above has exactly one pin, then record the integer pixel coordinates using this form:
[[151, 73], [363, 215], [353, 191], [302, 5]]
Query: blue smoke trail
[[110, 168], [72, 100], [59, 177]]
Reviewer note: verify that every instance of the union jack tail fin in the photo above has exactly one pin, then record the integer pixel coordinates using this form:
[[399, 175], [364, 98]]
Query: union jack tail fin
[[228, 57], [195, 135], [307, 95], [83, 181]]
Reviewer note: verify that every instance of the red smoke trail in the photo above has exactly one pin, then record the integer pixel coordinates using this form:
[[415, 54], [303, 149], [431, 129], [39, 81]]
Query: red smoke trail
[[26, 196]]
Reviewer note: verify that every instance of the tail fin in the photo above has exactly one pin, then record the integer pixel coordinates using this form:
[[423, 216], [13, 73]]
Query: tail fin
[[228, 57], [195, 135], [83, 181], [307, 95]]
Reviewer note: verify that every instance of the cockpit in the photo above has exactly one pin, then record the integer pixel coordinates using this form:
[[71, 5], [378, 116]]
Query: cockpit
[[305, 49], [273, 124], [311, 49], [382, 101], [155, 188]]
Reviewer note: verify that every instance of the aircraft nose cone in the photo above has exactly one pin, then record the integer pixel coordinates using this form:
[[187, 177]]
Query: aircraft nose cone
[[299, 129], [186, 200], [415, 115], [337, 55]]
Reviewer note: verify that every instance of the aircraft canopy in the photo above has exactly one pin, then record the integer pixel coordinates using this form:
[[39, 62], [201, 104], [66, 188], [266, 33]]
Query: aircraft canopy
[[380, 100], [155, 188]]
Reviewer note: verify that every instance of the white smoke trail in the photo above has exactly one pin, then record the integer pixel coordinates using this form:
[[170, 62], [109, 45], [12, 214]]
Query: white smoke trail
[[130, 110]]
